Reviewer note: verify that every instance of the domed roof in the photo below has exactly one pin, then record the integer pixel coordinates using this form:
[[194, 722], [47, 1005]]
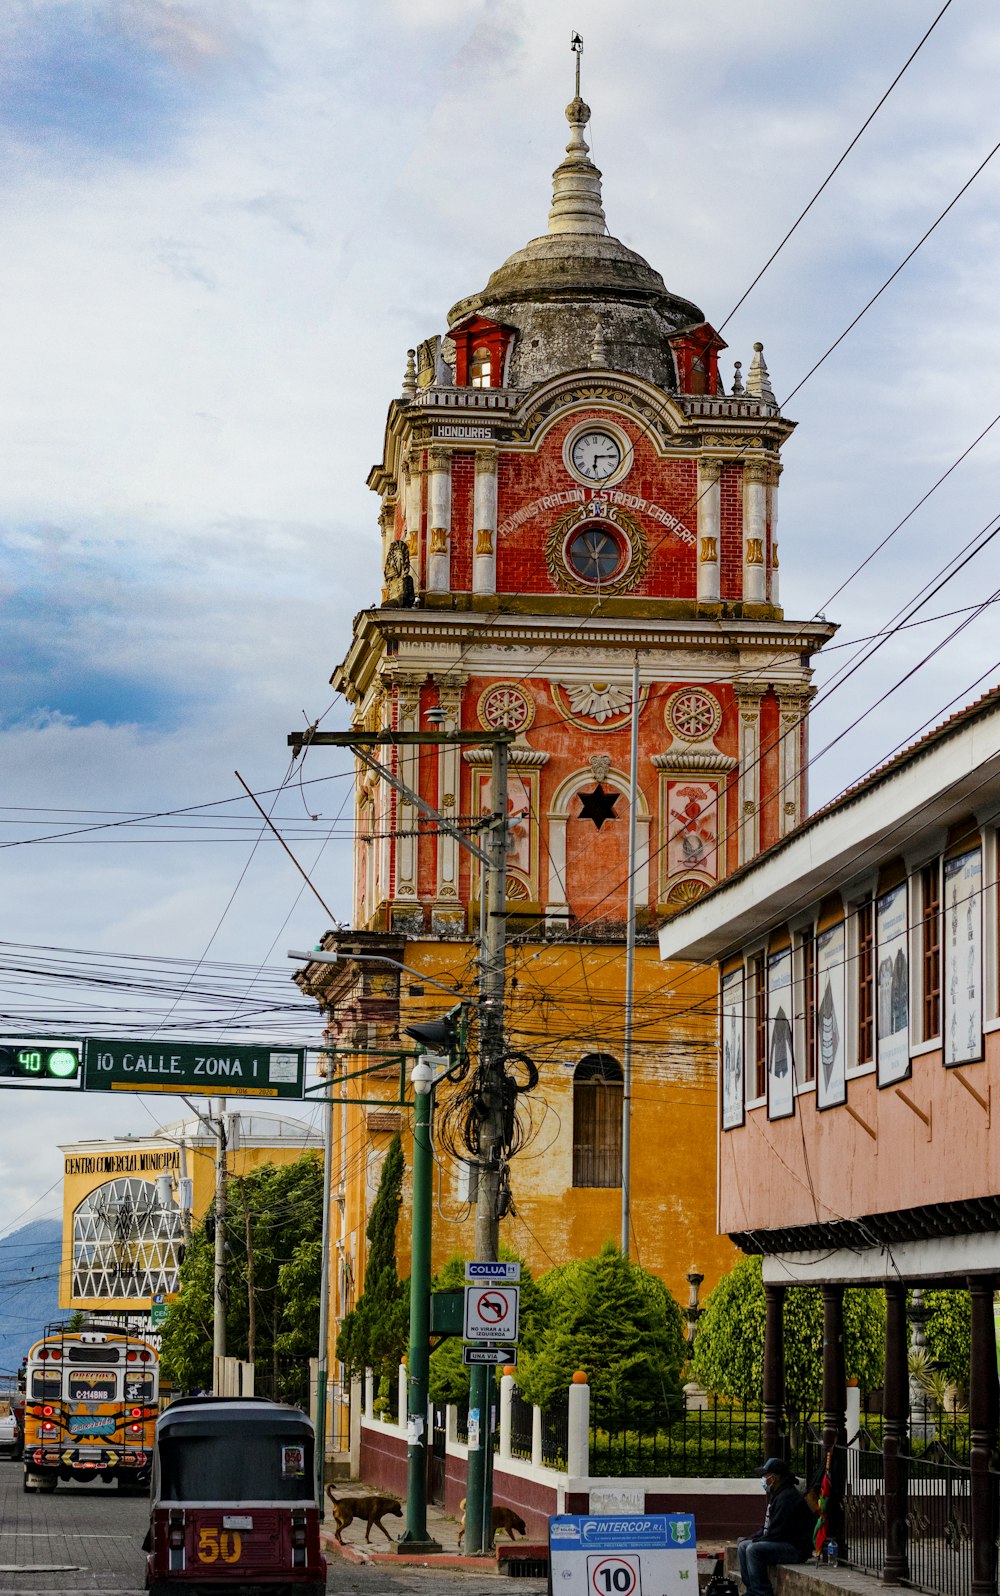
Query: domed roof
[[576, 296]]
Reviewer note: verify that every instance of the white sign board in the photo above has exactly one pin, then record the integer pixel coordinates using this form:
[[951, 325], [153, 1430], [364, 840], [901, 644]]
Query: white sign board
[[494, 1354], [495, 1272], [650, 1554], [491, 1313]]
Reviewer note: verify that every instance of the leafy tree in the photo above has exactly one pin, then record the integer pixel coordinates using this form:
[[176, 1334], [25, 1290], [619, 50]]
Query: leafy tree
[[374, 1334], [619, 1323], [280, 1208], [449, 1378], [949, 1333], [729, 1345]]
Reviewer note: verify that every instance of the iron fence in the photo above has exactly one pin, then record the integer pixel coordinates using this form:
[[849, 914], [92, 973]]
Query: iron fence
[[938, 1517], [521, 1426], [682, 1440]]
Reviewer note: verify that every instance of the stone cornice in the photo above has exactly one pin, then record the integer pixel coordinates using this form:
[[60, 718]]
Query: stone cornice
[[517, 754], [710, 761]]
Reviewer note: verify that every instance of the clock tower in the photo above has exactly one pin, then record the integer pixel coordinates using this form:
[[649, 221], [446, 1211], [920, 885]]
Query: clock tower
[[567, 491]]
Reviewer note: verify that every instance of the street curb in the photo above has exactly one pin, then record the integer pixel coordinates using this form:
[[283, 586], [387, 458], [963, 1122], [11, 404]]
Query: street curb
[[354, 1554]]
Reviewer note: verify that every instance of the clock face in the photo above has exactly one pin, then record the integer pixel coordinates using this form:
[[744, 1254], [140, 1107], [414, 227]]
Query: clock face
[[596, 455]]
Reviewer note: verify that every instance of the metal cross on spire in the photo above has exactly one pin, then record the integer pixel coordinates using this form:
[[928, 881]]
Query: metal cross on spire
[[576, 45]]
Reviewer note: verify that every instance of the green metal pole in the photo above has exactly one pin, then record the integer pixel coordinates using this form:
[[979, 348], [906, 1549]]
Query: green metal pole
[[415, 1536]]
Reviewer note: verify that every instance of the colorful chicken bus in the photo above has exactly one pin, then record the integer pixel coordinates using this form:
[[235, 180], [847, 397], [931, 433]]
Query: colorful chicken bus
[[90, 1407]]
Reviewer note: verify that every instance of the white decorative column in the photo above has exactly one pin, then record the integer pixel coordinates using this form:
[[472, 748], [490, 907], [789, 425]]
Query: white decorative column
[[439, 521], [384, 812], [772, 497], [748, 701], [412, 495], [556, 905], [449, 791], [793, 706], [484, 523], [407, 687], [709, 472], [578, 1432], [755, 475], [387, 523]]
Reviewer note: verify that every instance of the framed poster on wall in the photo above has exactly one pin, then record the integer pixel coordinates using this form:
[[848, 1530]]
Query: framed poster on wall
[[963, 958], [831, 1001], [892, 1000], [780, 1056], [731, 1052]]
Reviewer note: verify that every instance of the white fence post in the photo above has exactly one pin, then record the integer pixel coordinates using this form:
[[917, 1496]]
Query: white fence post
[[355, 1428], [370, 1395], [403, 1398], [578, 1437], [506, 1398], [536, 1437]]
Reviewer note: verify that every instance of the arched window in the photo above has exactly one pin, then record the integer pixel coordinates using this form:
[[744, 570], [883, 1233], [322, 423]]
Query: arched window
[[597, 1121], [480, 368]]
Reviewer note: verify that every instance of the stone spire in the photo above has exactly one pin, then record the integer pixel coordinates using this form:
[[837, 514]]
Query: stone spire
[[576, 183], [758, 377]]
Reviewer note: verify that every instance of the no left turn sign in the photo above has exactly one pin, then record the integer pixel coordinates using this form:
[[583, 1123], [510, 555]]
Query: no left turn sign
[[491, 1313]]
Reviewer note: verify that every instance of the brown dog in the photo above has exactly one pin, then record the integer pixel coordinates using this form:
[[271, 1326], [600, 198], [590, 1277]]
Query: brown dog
[[504, 1518], [370, 1509]]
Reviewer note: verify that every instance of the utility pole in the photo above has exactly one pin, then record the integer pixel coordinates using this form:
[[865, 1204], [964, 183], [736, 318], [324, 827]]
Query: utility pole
[[633, 799], [322, 1360], [492, 980], [219, 1307]]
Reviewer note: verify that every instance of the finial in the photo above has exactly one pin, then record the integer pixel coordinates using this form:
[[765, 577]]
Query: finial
[[576, 183], [410, 376], [758, 379], [737, 378], [598, 353]]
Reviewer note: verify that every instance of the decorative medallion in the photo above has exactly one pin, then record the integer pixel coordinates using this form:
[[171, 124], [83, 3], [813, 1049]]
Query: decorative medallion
[[596, 547], [692, 715], [505, 704], [685, 892], [596, 706]]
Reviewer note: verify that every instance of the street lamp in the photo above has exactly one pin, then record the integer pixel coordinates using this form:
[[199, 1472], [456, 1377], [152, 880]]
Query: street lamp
[[415, 1537], [335, 956]]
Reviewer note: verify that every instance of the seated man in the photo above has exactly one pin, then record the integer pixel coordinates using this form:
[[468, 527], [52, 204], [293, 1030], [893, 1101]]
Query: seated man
[[787, 1532]]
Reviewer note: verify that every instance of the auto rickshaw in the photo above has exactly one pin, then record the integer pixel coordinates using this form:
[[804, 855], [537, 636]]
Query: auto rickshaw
[[234, 1500]]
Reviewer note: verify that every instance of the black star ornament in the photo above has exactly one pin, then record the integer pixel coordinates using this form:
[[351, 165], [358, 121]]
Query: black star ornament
[[598, 805]]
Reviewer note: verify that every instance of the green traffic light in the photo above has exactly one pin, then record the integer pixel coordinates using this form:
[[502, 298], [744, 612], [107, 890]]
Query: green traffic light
[[62, 1063]]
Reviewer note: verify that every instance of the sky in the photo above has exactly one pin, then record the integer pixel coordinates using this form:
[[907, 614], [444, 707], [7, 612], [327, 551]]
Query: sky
[[225, 223]]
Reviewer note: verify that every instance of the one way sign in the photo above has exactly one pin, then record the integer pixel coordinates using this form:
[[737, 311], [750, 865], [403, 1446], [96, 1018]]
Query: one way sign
[[491, 1313]]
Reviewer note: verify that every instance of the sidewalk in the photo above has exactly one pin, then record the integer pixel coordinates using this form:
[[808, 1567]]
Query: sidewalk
[[441, 1527]]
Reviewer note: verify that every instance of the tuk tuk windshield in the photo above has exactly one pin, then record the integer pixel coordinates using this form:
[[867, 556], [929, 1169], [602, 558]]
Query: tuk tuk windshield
[[237, 1465]]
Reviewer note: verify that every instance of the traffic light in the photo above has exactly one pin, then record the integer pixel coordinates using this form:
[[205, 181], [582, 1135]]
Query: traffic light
[[436, 1036], [56, 1065]]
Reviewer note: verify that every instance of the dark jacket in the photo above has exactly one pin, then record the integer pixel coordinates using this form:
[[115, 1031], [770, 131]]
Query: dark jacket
[[788, 1519]]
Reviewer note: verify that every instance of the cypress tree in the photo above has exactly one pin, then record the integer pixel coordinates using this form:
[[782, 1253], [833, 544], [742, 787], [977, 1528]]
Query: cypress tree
[[373, 1335]]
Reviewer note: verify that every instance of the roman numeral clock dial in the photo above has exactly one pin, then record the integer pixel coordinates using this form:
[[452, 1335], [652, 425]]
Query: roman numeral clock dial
[[596, 456]]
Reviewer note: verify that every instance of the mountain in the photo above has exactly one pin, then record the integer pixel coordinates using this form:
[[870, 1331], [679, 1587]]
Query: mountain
[[29, 1287]]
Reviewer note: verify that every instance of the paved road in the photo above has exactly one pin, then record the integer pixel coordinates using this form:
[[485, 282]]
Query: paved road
[[88, 1538]]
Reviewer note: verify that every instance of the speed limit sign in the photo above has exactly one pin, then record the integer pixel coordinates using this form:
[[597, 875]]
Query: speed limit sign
[[611, 1554], [614, 1576]]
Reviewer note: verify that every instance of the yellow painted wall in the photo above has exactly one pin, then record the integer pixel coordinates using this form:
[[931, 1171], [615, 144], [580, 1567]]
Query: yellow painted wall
[[563, 1002]]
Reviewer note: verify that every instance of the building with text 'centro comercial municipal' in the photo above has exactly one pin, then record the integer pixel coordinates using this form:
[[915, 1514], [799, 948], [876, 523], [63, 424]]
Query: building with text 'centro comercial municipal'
[[569, 487], [128, 1204]]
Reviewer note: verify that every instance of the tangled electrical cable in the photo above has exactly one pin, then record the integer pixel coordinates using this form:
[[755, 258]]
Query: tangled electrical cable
[[466, 1111]]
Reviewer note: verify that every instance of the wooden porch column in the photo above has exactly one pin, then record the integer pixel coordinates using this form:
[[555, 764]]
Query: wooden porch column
[[984, 1403], [835, 1408], [895, 1413], [775, 1443]]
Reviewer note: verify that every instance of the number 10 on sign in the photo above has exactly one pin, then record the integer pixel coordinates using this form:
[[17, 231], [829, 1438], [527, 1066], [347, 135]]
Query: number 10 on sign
[[613, 1576]]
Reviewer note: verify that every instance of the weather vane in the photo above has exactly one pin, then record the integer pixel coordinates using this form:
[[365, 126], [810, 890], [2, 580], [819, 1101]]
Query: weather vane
[[576, 45]]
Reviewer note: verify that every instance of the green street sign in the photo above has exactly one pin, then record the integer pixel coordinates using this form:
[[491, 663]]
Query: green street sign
[[117, 1064], [158, 1313]]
